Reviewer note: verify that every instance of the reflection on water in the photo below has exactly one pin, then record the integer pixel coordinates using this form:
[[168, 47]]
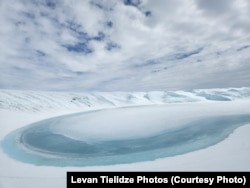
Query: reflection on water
[[37, 144]]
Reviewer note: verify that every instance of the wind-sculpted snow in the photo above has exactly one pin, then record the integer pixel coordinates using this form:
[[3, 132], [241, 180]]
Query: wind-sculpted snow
[[42, 101]]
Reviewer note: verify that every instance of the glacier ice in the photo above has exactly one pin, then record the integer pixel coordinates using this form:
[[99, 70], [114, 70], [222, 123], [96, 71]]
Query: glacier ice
[[50, 142], [42, 101], [121, 127]]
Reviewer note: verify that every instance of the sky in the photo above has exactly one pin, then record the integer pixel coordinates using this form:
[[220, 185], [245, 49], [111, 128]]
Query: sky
[[124, 45]]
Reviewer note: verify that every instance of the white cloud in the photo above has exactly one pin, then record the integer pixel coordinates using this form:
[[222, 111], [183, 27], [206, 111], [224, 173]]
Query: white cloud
[[108, 45]]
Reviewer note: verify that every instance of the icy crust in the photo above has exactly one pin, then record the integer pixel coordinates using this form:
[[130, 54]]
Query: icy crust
[[42, 101], [51, 143]]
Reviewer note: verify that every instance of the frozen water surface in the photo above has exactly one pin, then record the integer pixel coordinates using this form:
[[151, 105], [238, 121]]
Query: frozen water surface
[[116, 136]]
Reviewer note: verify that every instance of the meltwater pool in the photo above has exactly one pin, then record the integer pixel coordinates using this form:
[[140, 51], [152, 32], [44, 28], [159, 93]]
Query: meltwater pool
[[94, 138]]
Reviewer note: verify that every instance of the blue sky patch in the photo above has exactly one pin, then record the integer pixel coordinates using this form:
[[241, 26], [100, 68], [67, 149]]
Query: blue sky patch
[[109, 24], [147, 63], [73, 26], [79, 48], [111, 46], [29, 15], [135, 3], [40, 53], [243, 47], [148, 13], [51, 4], [100, 5], [100, 36], [188, 54]]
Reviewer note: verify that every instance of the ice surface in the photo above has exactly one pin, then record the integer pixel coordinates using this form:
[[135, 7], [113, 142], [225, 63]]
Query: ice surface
[[42, 101], [182, 108], [116, 136]]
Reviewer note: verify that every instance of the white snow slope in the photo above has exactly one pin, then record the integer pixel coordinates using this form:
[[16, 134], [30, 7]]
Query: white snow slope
[[33, 101], [21, 108]]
